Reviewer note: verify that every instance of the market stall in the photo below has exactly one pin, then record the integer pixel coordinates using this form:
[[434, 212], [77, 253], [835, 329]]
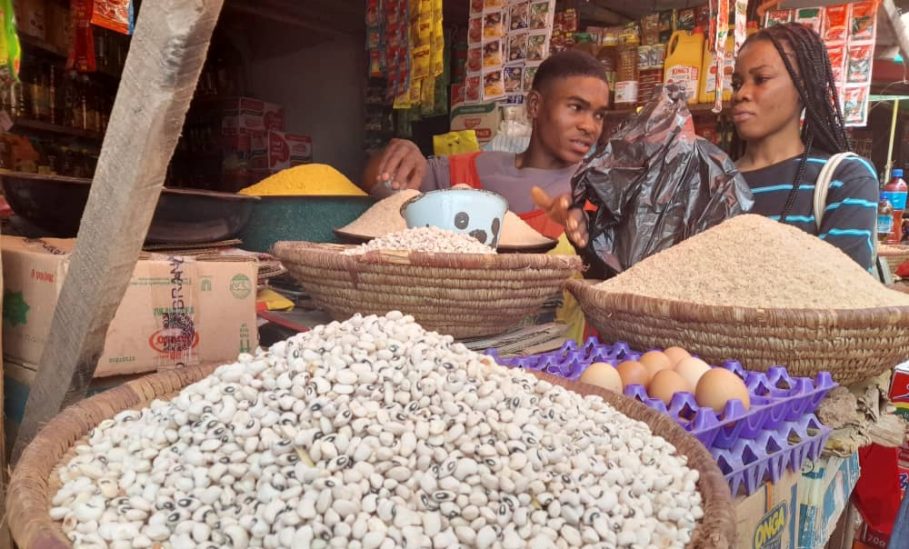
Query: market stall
[[433, 392]]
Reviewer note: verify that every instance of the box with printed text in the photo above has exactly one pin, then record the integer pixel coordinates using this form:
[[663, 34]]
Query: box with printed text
[[177, 310]]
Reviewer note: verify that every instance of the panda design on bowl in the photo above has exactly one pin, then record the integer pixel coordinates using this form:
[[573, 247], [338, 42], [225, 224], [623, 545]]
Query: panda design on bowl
[[476, 212]]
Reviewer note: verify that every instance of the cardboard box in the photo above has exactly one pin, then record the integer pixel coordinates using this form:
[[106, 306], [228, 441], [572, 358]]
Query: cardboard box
[[177, 311], [483, 119], [899, 389], [768, 518], [824, 490], [59, 26], [31, 17], [287, 149], [244, 114]]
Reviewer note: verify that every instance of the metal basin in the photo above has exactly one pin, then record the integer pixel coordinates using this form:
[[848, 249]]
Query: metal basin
[[182, 216]]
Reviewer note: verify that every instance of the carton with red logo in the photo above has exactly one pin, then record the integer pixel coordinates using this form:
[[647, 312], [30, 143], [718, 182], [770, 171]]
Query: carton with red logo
[[287, 149], [899, 389], [483, 118], [177, 310], [246, 114]]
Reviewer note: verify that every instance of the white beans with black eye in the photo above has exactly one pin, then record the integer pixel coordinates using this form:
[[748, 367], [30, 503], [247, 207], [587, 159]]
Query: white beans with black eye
[[374, 433], [424, 239]]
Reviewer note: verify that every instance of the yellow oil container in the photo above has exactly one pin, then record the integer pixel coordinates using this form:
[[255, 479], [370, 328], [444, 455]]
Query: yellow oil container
[[707, 88], [684, 56]]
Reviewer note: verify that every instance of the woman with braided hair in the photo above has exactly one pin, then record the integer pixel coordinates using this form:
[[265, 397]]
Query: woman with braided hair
[[782, 73]]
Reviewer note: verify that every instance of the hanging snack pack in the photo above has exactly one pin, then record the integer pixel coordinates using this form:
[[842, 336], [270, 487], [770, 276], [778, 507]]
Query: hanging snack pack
[[112, 15], [507, 40], [82, 54], [859, 64], [862, 21], [836, 23], [654, 184], [813, 18], [10, 52]]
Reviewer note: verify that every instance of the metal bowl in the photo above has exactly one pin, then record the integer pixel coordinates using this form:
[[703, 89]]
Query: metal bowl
[[55, 204]]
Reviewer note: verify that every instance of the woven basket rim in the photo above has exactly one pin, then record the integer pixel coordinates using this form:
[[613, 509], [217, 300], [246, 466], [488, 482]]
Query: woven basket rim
[[894, 250], [28, 497], [292, 251], [696, 312]]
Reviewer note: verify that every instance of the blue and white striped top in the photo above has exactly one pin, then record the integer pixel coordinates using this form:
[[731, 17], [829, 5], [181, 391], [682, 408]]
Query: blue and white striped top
[[850, 218]]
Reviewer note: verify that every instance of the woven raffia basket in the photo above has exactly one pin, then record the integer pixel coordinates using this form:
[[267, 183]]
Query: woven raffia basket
[[894, 255], [463, 295], [34, 481], [853, 345]]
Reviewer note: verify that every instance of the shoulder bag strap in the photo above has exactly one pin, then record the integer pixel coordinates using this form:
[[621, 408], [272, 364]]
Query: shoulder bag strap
[[822, 185]]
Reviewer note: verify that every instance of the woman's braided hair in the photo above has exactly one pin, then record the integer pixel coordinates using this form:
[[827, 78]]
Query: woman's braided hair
[[806, 61]]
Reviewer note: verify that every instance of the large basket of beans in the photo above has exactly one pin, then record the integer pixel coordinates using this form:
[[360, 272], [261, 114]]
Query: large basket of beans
[[370, 430], [463, 288], [760, 292]]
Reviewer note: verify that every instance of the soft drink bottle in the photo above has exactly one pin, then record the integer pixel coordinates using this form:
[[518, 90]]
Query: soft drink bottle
[[895, 193]]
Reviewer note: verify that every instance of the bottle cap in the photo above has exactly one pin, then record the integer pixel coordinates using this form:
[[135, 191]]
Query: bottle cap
[[896, 172]]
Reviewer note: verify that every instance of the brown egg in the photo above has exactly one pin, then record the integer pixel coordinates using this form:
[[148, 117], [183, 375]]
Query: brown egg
[[632, 373], [603, 375], [665, 384], [654, 361], [719, 386], [691, 369], [676, 354]]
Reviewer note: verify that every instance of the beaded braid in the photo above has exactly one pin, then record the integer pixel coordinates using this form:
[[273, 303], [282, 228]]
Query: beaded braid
[[813, 78]]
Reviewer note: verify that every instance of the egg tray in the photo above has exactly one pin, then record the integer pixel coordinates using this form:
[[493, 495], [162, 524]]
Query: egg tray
[[751, 463], [776, 397]]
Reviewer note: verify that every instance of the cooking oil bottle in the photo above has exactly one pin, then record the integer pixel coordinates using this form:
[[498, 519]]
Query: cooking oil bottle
[[684, 56]]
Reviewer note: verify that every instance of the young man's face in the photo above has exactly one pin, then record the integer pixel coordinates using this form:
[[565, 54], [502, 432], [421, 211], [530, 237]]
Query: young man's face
[[568, 115]]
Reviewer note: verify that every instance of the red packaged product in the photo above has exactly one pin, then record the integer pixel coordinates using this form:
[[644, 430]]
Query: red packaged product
[[112, 14], [82, 54], [859, 63], [836, 24], [862, 20], [837, 56]]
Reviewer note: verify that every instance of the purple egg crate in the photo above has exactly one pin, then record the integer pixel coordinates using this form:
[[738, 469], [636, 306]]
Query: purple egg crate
[[570, 360], [751, 463], [776, 397]]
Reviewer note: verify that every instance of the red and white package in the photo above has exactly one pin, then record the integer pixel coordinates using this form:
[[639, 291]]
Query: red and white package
[[855, 105], [858, 63], [862, 20], [837, 56], [836, 23], [112, 15]]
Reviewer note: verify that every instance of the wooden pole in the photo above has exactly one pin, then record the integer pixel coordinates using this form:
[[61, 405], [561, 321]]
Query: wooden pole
[[165, 59]]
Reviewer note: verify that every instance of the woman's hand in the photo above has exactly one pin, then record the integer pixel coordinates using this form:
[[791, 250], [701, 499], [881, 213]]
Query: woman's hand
[[559, 210], [401, 165]]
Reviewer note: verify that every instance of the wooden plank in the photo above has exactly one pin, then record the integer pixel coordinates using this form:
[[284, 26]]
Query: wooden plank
[[893, 14], [166, 56]]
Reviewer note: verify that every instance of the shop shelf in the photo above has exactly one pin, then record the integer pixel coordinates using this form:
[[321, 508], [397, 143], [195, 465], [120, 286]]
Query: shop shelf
[[47, 127]]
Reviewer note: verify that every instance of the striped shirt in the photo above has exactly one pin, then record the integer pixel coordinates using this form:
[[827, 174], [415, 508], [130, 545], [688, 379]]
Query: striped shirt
[[850, 217]]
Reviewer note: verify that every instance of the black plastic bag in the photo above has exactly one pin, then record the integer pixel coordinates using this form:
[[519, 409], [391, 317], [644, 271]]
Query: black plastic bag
[[654, 183]]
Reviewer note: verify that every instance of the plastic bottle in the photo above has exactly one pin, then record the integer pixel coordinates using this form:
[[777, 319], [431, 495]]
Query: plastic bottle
[[684, 56], [626, 80], [707, 92], [895, 193], [607, 56]]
